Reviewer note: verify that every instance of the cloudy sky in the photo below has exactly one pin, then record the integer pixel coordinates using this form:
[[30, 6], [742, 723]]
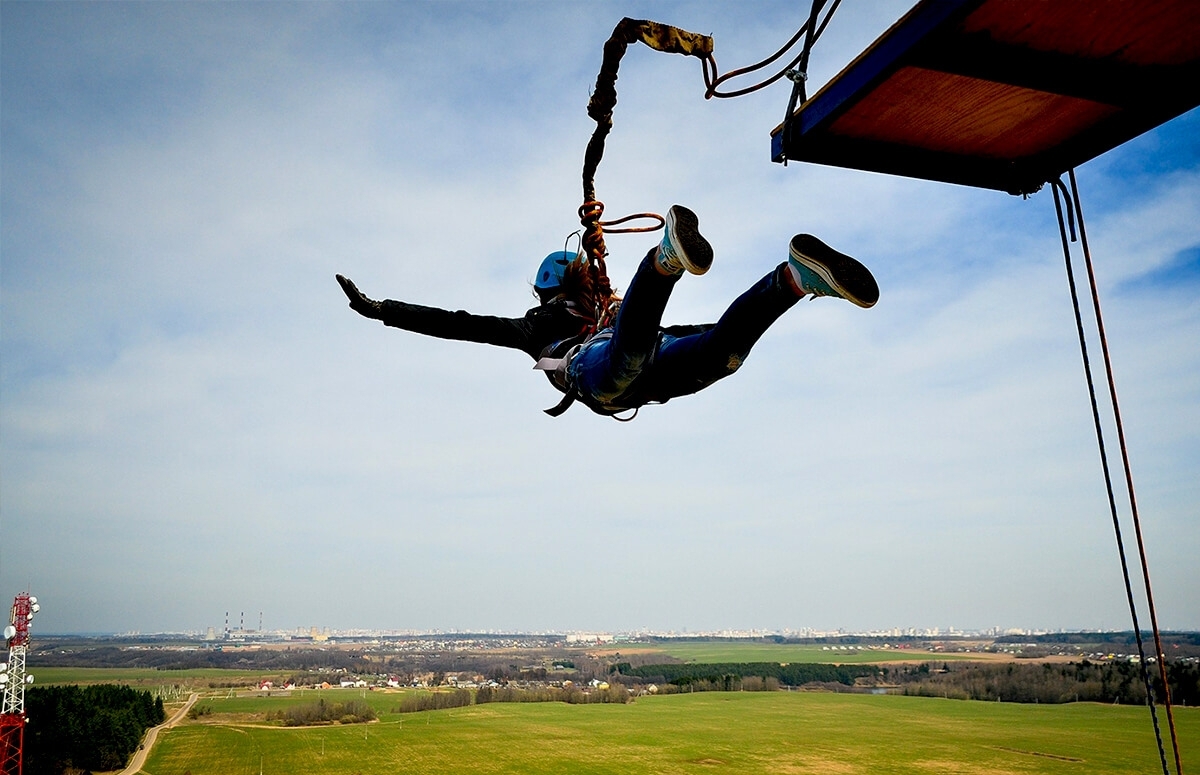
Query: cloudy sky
[[193, 422]]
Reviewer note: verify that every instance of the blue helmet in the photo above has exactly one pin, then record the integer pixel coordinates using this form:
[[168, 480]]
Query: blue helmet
[[550, 273]]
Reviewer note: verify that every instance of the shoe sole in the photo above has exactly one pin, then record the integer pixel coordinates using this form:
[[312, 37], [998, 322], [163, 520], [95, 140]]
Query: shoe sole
[[684, 228], [844, 274]]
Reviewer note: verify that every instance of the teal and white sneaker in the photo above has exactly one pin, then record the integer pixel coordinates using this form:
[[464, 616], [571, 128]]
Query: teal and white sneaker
[[683, 247], [819, 270]]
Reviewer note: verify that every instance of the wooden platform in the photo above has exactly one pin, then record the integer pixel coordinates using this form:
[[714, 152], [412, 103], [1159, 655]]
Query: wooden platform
[[1002, 94]]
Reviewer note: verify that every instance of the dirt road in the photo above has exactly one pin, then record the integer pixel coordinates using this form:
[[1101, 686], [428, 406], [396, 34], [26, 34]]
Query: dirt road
[[139, 756]]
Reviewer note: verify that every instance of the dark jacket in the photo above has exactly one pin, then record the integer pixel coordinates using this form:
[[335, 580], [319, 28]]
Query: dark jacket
[[548, 330], [541, 327]]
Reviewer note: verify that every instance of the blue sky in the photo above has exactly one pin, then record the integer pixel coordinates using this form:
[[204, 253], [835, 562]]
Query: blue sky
[[192, 421]]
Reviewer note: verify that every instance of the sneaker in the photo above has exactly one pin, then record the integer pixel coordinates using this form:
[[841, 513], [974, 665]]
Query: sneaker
[[820, 270], [682, 246]]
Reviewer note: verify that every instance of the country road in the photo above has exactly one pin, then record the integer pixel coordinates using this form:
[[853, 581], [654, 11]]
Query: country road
[[139, 756]]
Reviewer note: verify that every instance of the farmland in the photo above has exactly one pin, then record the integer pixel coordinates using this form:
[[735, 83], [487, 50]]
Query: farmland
[[679, 729], [732, 732], [142, 678], [726, 651]]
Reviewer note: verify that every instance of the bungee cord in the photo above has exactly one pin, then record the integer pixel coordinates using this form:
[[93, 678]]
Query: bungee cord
[[668, 39]]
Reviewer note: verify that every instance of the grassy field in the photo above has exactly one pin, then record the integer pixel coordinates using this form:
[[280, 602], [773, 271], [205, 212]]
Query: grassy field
[[791, 653], [257, 704], [143, 678], [739, 732]]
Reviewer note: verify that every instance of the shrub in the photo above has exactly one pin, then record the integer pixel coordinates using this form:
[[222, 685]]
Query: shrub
[[414, 703], [322, 712]]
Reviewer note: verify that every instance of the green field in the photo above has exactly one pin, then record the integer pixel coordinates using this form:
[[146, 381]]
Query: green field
[[143, 678], [259, 703], [737, 732], [790, 653]]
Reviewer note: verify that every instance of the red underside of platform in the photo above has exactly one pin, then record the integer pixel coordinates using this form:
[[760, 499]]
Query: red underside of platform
[[1003, 94]]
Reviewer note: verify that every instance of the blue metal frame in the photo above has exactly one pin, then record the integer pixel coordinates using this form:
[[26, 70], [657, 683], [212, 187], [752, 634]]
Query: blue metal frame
[[928, 37], [883, 58]]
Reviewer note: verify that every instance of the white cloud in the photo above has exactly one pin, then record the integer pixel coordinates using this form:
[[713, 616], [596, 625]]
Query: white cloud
[[192, 421]]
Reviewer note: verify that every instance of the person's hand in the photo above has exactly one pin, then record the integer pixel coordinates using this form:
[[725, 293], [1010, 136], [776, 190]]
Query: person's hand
[[359, 303]]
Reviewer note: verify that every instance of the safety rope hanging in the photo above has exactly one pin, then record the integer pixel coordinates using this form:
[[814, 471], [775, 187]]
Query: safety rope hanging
[[671, 40], [1074, 211], [659, 37]]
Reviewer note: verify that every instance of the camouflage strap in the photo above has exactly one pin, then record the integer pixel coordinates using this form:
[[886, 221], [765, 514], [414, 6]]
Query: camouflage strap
[[660, 37]]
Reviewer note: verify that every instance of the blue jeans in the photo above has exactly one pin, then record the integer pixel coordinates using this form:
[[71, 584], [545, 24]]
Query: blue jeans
[[642, 364]]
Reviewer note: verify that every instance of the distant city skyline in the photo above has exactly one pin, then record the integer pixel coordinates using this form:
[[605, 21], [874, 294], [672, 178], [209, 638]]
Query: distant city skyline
[[213, 633]]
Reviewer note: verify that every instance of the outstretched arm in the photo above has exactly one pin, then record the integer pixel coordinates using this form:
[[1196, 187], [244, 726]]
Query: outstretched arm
[[530, 334], [359, 303]]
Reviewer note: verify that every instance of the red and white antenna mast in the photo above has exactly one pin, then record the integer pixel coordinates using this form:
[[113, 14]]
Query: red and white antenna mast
[[12, 684]]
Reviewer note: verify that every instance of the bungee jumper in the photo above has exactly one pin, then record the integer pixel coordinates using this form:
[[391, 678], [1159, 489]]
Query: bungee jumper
[[613, 354], [635, 361], [984, 93]]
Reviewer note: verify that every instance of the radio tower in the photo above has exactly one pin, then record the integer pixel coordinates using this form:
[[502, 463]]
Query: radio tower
[[12, 684]]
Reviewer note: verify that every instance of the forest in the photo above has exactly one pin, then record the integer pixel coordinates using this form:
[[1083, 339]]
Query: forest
[[797, 674], [82, 729], [1117, 681]]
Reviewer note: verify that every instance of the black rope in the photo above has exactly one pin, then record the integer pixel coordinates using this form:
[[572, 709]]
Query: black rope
[[1056, 186], [799, 76], [809, 39], [1137, 524], [809, 31]]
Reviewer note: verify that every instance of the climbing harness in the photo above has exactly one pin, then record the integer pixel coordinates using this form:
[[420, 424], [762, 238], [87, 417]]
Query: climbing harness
[[557, 369], [557, 358]]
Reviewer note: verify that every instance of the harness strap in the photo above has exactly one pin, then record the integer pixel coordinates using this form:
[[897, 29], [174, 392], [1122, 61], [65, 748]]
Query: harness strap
[[562, 406], [556, 370]]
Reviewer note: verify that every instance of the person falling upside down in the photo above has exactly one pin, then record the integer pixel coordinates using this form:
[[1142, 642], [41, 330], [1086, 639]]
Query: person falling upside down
[[635, 361]]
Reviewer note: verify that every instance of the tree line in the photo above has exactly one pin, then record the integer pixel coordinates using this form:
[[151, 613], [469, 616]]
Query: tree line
[[324, 712], [1118, 682], [73, 729], [416, 702], [306, 665], [727, 673], [460, 698], [1172, 641], [572, 695], [1109, 682], [231, 658]]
